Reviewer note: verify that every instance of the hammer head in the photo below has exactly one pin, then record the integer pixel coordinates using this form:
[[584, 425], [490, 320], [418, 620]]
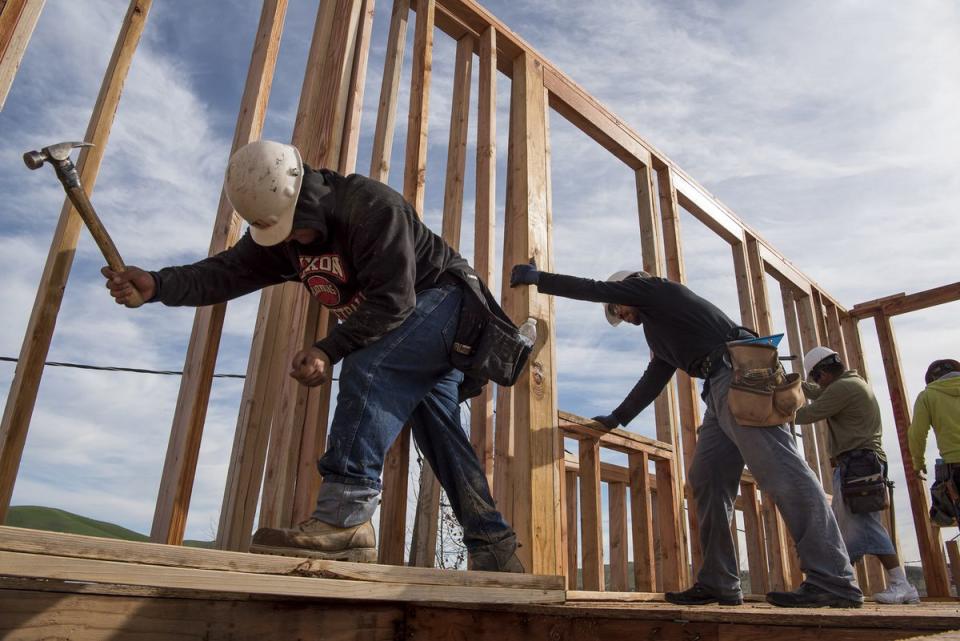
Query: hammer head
[[54, 153]]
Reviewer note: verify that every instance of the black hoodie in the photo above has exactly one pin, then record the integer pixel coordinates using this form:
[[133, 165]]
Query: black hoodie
[[371, 258]]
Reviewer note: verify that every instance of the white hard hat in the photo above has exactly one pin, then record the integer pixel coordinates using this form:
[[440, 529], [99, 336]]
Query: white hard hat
[[816, 355], [262, 182], [612, 318]]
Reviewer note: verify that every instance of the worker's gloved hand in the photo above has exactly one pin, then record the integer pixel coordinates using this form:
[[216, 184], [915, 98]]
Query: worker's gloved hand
[[524, 274], [922, 474], [609, 421], [311, 367], [122, 284]]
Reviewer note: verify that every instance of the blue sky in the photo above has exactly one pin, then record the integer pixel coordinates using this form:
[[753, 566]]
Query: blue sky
[[830, 127]]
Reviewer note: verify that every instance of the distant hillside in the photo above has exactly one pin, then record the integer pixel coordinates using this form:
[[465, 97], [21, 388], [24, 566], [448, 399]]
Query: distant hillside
[[54, 520]]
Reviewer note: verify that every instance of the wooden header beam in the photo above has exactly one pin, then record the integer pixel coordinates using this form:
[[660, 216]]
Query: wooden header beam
[[903, 303]]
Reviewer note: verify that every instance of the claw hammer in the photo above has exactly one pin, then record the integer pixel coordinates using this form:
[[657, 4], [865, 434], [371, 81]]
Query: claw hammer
[[58, 155]]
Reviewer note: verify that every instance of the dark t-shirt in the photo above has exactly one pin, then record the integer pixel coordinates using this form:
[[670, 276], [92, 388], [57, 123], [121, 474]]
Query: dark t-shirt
[[681, 328]]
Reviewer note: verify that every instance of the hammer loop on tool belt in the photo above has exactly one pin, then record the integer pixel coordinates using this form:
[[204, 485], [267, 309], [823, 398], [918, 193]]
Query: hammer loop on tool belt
[[761, 394]]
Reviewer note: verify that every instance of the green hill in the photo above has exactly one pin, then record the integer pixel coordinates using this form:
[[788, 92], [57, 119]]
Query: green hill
[[54, 520]]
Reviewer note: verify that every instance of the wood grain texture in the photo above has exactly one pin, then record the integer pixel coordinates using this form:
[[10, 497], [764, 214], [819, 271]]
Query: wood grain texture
[[42, 616], [537, 442], [415, 167], [591, 516], [389, 89], [72, 545], [485, 220], [928, 536], [89, 570], [18, 18]]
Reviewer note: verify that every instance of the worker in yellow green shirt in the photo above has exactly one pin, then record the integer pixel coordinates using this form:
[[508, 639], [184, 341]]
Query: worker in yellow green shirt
[[937, 406]]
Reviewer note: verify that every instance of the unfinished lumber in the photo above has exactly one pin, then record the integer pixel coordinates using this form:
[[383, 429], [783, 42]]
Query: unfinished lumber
[[572, 525], [457, 142], [807, 432], [928, 536], [755, 538], [617, 439], [415, 169], [953, 553], [810, 337], [393, 501], [247, 461], [591, 515], [688, 397], [425, 522], [74, 545], [641, 507], [665, 405], [96, 571], [617, 509], [423, 541], [354, 108], [538, 447], [389, 89], [99, 612], [194, 395], [18, 18], [770, 524], [43, 318], [485, 220], [903, 303]]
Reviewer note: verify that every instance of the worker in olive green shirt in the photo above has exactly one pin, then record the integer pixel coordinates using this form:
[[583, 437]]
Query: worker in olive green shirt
[[845, 400]]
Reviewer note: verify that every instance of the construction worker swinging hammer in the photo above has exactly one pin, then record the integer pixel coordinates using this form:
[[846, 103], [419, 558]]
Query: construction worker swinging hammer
[[688, 333], [398, 291]]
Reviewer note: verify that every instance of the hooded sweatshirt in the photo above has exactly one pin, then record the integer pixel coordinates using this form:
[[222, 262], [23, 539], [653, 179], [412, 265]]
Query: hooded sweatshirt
[[372, 256], [937, 405]]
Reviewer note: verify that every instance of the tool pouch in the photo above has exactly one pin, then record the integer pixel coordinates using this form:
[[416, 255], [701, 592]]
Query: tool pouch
[[761, 394], [487, 345], [945, 496], [864, 485]]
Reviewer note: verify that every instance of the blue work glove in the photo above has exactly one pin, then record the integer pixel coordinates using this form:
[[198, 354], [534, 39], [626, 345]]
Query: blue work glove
[[609, 421], [524, 274]]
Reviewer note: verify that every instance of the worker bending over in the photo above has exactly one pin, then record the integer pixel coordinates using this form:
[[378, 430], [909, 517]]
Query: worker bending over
[[860, 490], [397, 290], [686, 332]]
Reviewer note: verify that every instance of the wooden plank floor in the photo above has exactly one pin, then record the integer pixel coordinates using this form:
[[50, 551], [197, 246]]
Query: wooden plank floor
[[85, 588]]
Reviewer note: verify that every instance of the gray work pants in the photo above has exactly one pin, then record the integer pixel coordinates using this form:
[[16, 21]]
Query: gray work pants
[[772, 456]]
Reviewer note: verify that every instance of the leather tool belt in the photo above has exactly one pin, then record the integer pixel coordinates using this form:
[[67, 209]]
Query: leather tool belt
[[761, 394]]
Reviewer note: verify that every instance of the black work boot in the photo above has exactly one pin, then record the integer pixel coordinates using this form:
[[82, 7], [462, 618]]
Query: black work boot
[[497, 557], [810, 596], [701, 595]]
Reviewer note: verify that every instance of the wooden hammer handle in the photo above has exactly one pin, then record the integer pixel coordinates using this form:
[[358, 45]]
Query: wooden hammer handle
[[85, 208]]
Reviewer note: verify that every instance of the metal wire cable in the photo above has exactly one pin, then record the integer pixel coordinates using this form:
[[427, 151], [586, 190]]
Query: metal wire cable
[[135, 370]]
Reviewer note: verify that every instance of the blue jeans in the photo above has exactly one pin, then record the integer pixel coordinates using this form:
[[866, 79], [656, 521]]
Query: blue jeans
[[862, 533], [406, 376]]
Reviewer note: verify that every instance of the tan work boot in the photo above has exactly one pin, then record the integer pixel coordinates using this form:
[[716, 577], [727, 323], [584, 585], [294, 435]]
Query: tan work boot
[[319, 540]]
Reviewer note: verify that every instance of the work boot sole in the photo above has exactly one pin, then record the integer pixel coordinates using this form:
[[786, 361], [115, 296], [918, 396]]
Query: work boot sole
[[354, 555]]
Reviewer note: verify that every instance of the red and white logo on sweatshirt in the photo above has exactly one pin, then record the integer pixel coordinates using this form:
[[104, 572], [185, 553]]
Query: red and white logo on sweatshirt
[[323, 290], [330, 264]]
